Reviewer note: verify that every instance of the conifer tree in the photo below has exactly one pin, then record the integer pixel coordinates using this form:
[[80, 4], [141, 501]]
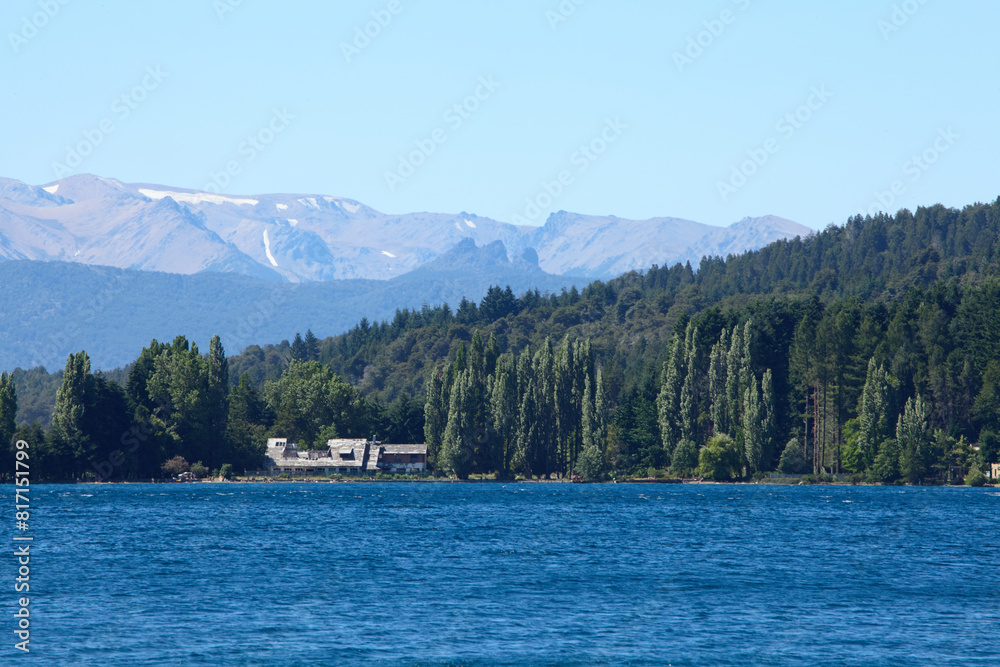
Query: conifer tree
[[311, 346], [245, 427], [298, 349]]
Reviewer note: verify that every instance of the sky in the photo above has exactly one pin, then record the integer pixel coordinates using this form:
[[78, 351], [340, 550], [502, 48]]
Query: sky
[[709, 111]]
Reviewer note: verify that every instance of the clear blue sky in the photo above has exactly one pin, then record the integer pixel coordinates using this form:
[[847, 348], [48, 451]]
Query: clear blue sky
[[892, 95]]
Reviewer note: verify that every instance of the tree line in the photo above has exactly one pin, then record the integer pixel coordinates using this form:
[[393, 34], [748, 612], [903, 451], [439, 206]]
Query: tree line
[[538, 412], [872, 345], [178, 411]]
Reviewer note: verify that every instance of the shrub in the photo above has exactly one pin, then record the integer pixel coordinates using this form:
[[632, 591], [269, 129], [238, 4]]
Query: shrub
[[226, 471], [975, 477], [685, 458], [175, 466], [886, 468], [720, 459], [793, 459], [591, 464], [199, 469]]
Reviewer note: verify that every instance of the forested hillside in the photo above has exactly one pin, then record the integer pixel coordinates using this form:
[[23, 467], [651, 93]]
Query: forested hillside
[[869, 348]]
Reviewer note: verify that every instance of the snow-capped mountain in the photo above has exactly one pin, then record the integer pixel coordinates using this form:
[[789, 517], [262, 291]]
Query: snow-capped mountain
[[305, 238]]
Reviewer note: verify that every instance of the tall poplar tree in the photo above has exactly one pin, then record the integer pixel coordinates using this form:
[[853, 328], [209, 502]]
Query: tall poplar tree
[[435, 415], [691, 389], [873, 413], [753, 428], [668, 401], [504, 406], [717, 385], [913, 441], [457, 446], [69, 434], [769, 433]]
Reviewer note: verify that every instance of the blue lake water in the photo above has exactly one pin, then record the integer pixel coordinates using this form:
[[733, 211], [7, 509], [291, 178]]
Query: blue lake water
[[484, 574]]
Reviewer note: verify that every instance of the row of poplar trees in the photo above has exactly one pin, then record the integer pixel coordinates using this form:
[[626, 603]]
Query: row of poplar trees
[[538, 413], [725, 396]]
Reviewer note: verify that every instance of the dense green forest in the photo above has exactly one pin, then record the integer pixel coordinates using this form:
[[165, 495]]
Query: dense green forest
[[870, 348]]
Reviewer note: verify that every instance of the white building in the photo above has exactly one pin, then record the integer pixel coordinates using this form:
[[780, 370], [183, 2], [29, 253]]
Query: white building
[[345, 457]]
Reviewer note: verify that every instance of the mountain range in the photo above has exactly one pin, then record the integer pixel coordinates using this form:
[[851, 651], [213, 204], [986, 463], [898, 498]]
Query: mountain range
[[316, 238], [96, 264]]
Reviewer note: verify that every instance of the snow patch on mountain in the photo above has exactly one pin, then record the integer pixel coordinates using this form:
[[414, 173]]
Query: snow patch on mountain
[[267, 250], [198, 197], [52, 189]]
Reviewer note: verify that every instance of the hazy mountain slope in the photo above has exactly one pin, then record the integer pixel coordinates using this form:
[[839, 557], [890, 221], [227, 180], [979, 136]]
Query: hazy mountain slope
[[54, 308], [607, 246], [584, 245], [747, 234]]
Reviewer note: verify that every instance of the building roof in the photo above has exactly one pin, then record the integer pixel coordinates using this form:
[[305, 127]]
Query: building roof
[[404, 449], [356, 454]]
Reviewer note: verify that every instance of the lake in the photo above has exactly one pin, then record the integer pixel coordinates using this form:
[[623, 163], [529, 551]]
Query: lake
[[509, 574]]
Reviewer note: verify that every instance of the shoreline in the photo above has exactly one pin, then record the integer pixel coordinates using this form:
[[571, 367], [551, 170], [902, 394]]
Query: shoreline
[[780, 481]]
